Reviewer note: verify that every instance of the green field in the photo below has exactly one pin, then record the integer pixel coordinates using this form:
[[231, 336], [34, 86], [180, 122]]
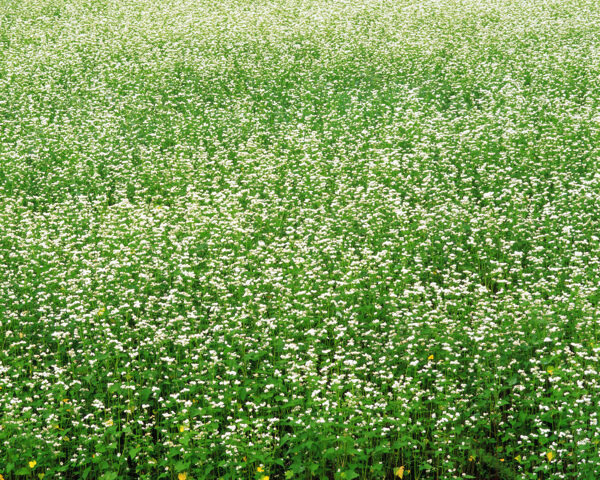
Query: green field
[[300, 239]]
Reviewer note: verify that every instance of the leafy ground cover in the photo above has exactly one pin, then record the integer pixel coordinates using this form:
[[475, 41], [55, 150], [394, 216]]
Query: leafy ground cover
[[299, 239]]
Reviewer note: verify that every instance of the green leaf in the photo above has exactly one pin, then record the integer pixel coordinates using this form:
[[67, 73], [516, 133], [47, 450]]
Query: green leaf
[[182, 466], [109, 476]]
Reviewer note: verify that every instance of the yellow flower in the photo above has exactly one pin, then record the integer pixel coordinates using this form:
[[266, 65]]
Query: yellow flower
[[260, 469], [264, 477], [182, 476], [550, 370], [181, 428], [550, 456], [101, 311], [32, 464], [518, 458], [399, 472], [471, 458], [430, 357], [109, 422], [1, 477]]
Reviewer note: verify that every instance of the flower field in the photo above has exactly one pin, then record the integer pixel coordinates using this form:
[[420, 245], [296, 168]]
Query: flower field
[[300, 239]]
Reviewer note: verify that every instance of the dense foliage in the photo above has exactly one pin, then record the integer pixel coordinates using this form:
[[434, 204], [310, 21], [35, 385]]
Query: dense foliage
[[299, 239]]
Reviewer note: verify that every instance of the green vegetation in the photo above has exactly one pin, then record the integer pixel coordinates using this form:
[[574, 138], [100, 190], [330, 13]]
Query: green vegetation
[[300, 239]]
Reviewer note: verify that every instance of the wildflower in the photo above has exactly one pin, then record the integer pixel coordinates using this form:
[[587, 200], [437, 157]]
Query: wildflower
[[32, 464], [264, 477], [181, 428], [518, 458], [1, 477], [260, 469], [399, 472], [430, 357], [471, 458], [182, 476], [550, 456], [109, 423]]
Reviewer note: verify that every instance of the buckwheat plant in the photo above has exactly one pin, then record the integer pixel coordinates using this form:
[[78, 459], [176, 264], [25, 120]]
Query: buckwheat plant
[[300, 239]]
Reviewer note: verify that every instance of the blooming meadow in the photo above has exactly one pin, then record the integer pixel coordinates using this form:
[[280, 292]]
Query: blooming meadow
[[300, 239]]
